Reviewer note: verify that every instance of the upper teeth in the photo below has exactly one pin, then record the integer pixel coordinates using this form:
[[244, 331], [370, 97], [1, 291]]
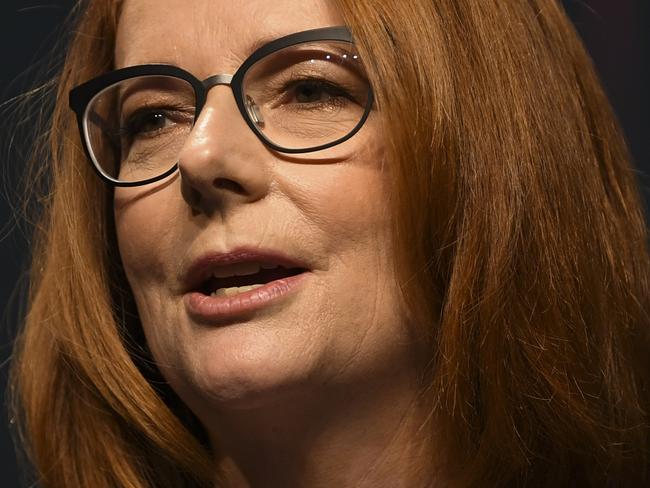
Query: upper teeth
[[240, 269]]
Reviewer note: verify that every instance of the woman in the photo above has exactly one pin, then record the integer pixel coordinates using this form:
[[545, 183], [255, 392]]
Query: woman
[[441, 203]]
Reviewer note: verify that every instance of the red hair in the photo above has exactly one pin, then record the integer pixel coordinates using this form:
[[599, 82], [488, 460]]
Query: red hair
[[522, 257]]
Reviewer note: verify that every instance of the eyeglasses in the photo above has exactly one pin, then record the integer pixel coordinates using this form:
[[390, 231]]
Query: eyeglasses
[[301, 93]]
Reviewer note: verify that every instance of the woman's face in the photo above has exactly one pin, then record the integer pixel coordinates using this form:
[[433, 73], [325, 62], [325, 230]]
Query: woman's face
[[342, 325]]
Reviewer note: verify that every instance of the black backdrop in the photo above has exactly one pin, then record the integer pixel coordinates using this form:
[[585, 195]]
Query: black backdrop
[[616, 34]]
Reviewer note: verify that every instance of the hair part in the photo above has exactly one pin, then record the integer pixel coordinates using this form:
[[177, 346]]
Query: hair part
[[521, 248]]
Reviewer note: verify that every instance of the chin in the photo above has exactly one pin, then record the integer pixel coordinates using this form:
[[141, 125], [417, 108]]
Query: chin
[[244, 377]]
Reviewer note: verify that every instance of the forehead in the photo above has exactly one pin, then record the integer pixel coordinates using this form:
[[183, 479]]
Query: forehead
[[210, 36]]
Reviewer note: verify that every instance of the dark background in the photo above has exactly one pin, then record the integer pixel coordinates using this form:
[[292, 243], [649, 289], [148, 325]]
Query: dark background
[[614, 31]]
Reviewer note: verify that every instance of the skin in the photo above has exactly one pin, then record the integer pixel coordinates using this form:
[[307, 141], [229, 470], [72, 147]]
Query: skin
[[319, 390]]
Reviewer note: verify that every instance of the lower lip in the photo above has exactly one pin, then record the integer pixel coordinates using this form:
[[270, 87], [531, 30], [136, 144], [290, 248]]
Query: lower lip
[[206, 308]]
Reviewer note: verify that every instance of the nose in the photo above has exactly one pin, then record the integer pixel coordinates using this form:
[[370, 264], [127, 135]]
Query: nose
[[222, 162]]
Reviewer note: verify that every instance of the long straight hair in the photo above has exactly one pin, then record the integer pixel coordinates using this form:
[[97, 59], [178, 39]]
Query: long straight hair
[[521, 251]]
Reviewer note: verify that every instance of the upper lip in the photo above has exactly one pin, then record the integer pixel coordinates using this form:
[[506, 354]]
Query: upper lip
[[201, 268]]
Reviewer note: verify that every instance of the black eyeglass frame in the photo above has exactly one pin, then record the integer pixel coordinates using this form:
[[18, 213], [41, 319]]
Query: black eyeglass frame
[[81, 96]]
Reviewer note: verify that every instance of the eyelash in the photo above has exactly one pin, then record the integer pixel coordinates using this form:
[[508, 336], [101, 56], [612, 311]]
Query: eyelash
[[335, 91], [129, 128]]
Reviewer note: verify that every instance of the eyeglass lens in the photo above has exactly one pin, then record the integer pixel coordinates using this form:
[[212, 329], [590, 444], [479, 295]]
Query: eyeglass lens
[[297, 98]]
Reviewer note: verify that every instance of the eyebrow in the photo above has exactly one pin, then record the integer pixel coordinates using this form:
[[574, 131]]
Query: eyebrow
[[263, 41], [259, 43]]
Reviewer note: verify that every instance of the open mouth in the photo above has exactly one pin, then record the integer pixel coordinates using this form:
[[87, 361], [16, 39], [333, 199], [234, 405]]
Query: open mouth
[[218, 286]]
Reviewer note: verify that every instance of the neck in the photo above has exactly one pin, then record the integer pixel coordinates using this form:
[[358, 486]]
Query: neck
[[346, 436]]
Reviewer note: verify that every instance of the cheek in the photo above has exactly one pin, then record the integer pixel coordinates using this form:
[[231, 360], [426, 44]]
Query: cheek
[[347, 205], [145, 227], [345, 202]]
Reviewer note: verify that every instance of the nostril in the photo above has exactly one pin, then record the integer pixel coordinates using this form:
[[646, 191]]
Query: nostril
[[191, 195], [226, 184]]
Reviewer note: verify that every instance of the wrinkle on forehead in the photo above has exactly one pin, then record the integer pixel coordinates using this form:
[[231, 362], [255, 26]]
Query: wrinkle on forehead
[[210, 36]]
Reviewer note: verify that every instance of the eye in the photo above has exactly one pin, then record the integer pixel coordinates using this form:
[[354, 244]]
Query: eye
[[314, 92], [147, 123]]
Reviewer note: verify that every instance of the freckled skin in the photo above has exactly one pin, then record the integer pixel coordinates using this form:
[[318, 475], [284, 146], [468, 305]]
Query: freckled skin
[[344, 331]]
